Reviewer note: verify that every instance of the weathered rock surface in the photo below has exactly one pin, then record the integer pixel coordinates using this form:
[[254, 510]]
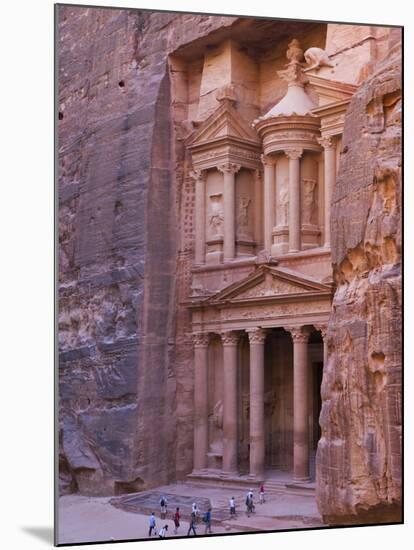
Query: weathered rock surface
[[117, 259], [359, 454]]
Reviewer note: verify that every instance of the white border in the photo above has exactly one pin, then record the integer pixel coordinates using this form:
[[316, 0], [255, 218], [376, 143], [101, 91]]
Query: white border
[[26, 230]]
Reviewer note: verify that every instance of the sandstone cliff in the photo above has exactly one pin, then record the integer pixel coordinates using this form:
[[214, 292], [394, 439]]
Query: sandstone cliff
[[359, 454], [117, 246]]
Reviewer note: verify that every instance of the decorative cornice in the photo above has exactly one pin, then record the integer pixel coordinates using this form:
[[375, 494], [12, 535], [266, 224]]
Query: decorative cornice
[[294, 154], [200, 339], [229, 168], [299, 334], [230, 338], [256, 335]]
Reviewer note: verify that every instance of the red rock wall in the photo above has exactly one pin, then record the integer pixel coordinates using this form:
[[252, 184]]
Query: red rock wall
[[117, 248], [359, 454]]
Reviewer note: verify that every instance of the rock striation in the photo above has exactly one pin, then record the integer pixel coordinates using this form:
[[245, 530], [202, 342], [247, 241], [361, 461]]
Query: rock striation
[[359, 453]]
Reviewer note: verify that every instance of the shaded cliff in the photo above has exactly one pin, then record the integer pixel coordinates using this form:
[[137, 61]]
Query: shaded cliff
[[359, 454]]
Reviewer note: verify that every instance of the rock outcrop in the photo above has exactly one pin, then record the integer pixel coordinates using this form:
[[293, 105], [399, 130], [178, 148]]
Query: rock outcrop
[[359, 454]]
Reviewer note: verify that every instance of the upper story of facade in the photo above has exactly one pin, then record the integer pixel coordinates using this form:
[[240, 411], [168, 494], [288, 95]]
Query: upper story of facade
[[260, 107]]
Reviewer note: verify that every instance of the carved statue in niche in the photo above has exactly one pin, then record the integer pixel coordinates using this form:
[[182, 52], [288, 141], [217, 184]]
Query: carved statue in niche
[[216, 429], [294, 52], [284, 204], [243, 217], [216, 215], [316, 58], [308, 200]]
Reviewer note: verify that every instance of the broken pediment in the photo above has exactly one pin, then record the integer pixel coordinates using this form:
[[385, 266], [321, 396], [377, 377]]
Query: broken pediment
[[270, 283], [330, 91], [225, 122]]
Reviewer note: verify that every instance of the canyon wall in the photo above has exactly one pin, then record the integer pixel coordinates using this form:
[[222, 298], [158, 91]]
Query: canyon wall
[[359, 454], [117, 246]]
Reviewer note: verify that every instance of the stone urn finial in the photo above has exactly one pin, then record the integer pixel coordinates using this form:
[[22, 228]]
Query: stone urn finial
[[294, 53]]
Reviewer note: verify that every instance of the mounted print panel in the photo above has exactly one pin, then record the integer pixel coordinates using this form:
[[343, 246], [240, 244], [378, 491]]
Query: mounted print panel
[[229, 274]]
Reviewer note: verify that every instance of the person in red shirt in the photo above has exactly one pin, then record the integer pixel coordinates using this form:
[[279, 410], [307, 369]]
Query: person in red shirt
[[261, 494], [176, 520]]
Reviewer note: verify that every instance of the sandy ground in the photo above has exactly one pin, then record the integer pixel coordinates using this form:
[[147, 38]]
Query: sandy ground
[[87, 519]]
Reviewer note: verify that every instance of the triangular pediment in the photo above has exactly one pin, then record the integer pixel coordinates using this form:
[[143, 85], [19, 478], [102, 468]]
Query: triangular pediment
[[225, 122], [269, 282]]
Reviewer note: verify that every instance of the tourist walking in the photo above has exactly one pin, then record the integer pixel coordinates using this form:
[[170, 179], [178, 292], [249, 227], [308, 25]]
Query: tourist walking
[[192, 524], [232, 504], [249, 503], [176, 520], [195, 511], [261, 494], [152, 524], [163, 507], [163, 532], [207, 521]]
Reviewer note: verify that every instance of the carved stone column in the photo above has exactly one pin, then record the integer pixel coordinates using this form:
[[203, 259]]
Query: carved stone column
[[294, 199], [257, 338], [200, 400], [330, 171], [200, 177], [230, 341], [300, 337], [268, 201], [229, 170]]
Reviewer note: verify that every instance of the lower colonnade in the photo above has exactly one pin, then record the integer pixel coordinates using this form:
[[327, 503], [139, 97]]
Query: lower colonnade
[[256, 337]]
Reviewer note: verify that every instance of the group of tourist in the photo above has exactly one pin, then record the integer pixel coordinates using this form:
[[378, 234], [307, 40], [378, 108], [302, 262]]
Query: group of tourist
[[195, 515]]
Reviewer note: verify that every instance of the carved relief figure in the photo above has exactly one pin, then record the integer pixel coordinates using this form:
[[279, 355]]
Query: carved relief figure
[[316, 58], [216, 426], [216, 215], [284, 204], [243, 217], [308, 200]]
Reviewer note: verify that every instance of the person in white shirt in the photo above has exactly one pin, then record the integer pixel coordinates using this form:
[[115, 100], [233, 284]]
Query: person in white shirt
[[195, 511], [163, 532], [232, 504]]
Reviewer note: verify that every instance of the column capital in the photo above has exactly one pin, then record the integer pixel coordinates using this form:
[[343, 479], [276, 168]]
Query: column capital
[[323, 329], [228, 168], [293, 154], [327, 142], [197, 174], [267, 161], [229, 338], [299, 334], [200, 339], [256, 335]]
